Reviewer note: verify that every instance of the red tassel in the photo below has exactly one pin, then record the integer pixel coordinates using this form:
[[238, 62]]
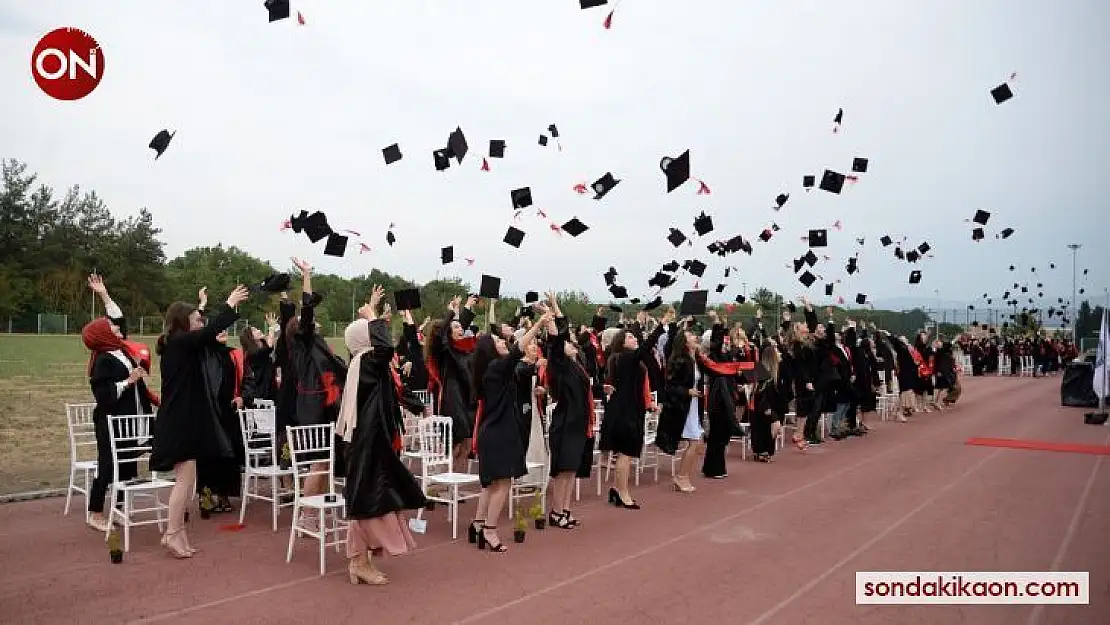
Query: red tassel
[[580, 188], [300, 18], [541, 213], [516, 215], [696, 282], [608, 23], [557, 229], [286, 225], [470, 262], [851, 178], [363, 248], [837, 224], [703, 189], [840, 300], [485, 165]]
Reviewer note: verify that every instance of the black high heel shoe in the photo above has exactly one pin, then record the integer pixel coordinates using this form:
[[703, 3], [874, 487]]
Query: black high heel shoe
[[615, 499], [484, 542], [474, 531], [559, 520]]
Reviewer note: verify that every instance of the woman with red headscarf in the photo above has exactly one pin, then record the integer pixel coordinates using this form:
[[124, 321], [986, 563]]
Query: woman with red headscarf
[[119, 387]]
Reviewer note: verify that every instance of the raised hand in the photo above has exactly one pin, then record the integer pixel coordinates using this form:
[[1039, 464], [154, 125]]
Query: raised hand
[[96, 285], [471, 300], [202, 297], [238, 296], [302, 265], [453, 305], [376, 294], [271, 320]]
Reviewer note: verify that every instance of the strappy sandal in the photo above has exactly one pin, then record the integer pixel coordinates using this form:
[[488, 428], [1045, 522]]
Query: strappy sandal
[[179, 553], [558, 519], [571, 521], [799, 442], [495, 548]]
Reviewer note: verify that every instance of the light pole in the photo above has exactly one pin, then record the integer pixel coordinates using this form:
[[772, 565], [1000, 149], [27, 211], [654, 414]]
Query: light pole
[[1074, 247]]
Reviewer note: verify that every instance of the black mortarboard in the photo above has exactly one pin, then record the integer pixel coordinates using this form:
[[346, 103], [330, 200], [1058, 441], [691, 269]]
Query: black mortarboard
[[781, 199], [278, 9], [809, 181], [274, 283], [447, 255], [543, 139], [839, 116], [740, 299], [392, 154], [676, 237], [589, 4], [1001, 93], [765, 236], [693, 303], [671, 266], [978, 235], [676, 169], [496, 148], [859, 165], [161, 141], [296, 222], [441, 160], [924, 248], [799, 263], [603, 185], [514, 236], [915, 276], [522, 197], [390, 238], [574, 227], [852, 267], [653, 304], [553, 130], [721, 288], [818, 238], [810, 258], [703, 224], [618, 291], [898, 253], [696, 268], [861, 299], [610, 276], [1006, 232], [635, 301], [531, 297], [912, 256], [316, 227], [336, 245], [490, 288], [886, 241], [661, 280], [456, 144], [981, 217], [832, 181], [807, 279], [407, 299], [828, 289], [715, 248]]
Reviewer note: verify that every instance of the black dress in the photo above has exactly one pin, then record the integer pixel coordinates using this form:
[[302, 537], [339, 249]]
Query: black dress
[[453, 394], [771, 398], [501, 446], [188, 423], [377, 481], [220, 473], [622, 429], [261, 367], [569, 385], [108, 371]]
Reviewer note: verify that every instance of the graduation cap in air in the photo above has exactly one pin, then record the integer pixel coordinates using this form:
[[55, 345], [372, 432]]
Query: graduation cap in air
[[574, 227], [390, 238], [531, 297], [738, 244], [899, 254], [859, 165], [278, 9], [676, 237], [653, 304], [407, 299], [589, 4], [315, 226], [522, 197], [1001, 93], [924, 248], [808, 182], [912, 256], [852, 266], [543, 139], [497, 148], [799, 263], [603, 185], [981, 217], [915, 276], [677, 170], [721, 288], [553, 130], [274, 283], [818, 238], [978, 235], [810, 258], [780, 200], [766, 235], [696, 267], [828, 289], [514, 237], [610, 276], [671, 266], [161, 141], [832, 181], [490, 287], [442, 161], [336, 245], [447, 255], [618, 291], [861, 298], [1006, 232], [807, 279], [703, 224], [661, 280], [839, 119], [693, 303], [392, 154], [456, 145], [886, 241]]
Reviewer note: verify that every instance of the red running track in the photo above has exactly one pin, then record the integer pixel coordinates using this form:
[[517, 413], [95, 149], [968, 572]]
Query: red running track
[[772, 544]]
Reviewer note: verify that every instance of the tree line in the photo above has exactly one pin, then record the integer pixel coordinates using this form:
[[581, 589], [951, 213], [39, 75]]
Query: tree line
[[50, 242]]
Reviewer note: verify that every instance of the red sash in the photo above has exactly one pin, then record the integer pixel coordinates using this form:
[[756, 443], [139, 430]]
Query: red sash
[[140, 353], [237, 360]]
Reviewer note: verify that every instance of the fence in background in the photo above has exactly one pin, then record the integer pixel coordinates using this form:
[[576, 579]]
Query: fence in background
[[46, 323]]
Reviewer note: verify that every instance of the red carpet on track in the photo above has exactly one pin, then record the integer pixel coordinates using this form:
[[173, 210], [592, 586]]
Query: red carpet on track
[[1012, 443]]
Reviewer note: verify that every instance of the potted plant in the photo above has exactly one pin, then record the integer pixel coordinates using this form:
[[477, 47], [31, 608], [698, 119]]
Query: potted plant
[[537, 513], [520, 528], [115, 549]]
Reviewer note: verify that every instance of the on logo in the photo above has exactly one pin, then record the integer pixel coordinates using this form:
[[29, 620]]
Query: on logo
[[67, 64]]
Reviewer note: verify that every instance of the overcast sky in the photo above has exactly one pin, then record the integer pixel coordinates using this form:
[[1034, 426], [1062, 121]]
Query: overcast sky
[[273, 118]]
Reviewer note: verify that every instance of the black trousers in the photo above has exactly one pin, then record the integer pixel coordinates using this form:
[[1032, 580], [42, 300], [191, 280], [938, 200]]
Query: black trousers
[[720, 432], [813, 416], [852, 418], [104, 469]]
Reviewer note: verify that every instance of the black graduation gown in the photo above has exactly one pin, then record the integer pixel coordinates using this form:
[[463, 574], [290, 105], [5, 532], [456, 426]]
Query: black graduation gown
[[417, 379], [945, 363], [261, 367], [453, 396], [285, 400], [771, 399], [568, 384], [107, 371], [188, 423], [925, 382], [867, 378], [501, 446], [378, 483], [676, 403], [720, 411], [622, 429], [907, 369], [220, 473], [317, 373]]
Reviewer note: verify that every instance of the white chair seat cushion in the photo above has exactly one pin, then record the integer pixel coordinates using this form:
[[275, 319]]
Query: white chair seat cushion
[[454, 478], [145, 484], [269, 471], [85, 465], [317, 501]]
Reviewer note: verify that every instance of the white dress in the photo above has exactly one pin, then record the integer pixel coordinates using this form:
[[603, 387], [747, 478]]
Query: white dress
[[692, 430]]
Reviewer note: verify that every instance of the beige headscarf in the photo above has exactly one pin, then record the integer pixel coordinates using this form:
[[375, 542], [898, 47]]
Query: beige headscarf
[[357, 338]]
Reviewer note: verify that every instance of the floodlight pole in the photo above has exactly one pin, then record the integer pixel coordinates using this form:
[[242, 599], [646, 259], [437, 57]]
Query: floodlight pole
[[1074, 247]]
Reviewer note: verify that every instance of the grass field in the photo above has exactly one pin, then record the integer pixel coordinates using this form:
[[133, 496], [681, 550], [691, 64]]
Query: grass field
[[39, 374]]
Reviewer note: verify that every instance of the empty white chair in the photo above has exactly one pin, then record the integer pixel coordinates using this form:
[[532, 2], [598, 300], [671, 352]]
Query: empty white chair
[[132, 440], [82, 444], [307, 443], [435, 469], [261, 464]]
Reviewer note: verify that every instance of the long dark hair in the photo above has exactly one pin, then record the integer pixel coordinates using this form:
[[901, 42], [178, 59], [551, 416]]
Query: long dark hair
[[247, 341], [177, 320], [430, 339], [680, 349], [485, 352], [615, 348]]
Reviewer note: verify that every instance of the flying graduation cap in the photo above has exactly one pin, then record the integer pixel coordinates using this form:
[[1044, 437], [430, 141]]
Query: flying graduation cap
[[392, 154], [832, 181], [838, 120], [278, 9], [161, 141], [603, 185], [677, 171]]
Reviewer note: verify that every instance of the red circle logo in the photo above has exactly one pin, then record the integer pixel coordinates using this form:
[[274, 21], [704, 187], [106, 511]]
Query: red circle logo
[[67, 64]]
